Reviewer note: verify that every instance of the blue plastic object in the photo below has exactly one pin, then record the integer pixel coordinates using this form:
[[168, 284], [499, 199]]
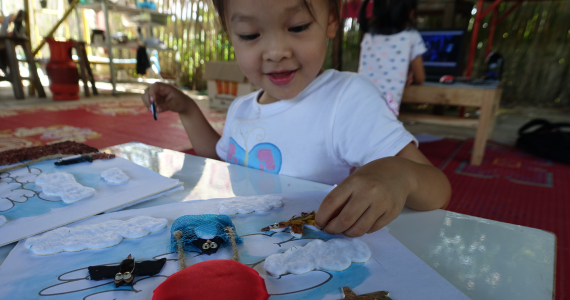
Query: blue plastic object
[[194, 227]]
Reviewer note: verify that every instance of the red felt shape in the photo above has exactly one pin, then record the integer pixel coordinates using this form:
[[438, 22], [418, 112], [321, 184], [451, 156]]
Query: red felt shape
[[214, 279]]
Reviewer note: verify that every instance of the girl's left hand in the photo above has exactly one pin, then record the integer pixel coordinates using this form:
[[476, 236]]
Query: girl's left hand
[[367, 200]]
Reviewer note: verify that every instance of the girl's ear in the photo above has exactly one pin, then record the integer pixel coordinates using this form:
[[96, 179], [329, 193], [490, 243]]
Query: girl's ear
[[332, 26]]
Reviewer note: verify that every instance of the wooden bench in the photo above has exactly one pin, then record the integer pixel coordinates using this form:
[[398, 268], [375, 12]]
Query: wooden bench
[[486, 97]]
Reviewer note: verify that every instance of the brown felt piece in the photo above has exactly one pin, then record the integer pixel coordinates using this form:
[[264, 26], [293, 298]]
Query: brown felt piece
[[349, 294], [102, 156], [13, 156], [296, 222]]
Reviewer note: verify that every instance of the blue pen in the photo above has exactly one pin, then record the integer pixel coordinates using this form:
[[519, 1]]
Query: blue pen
[[154, 112]]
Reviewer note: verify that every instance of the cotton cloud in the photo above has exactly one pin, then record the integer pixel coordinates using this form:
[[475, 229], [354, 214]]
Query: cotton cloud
[[96, 236], [334, 255], [246, 205], [114, 176], [64, 185]]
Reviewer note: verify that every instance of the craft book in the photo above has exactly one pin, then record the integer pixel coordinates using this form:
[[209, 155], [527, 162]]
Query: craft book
[[387, 266], [44, 196]]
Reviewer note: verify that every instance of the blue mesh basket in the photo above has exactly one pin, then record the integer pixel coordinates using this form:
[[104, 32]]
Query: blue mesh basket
[[194, 227]]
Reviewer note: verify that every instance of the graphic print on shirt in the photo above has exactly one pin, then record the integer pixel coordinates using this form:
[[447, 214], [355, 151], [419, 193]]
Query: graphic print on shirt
[[263, 156]]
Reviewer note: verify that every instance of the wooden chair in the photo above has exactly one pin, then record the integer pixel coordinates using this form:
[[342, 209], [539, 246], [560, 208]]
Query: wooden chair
[[13, 74], [85, 69]]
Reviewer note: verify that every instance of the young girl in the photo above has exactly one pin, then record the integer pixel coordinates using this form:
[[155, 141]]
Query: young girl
[[390, 48], [309, 123]]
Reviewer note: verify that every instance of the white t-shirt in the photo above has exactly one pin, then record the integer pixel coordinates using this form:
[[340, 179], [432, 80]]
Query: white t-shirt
[[334, 124], [385, 59]]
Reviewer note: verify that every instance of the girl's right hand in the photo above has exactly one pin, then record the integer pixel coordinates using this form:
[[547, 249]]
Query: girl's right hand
[[167, 98]]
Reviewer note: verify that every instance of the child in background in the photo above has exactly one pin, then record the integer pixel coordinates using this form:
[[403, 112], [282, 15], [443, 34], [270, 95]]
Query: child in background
[[391, 50], [309, 123]]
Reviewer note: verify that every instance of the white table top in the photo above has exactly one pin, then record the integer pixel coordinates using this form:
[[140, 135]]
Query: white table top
[[484, 259]]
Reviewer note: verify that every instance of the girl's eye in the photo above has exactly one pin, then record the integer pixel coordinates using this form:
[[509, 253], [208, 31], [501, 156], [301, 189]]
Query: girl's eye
[[300, 28], [248, 37]]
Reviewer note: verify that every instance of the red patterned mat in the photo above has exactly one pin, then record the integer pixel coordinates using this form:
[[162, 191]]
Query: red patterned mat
[[513, 187], [99, 125]]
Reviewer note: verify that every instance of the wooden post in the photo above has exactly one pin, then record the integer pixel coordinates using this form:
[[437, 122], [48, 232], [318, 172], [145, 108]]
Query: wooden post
[[34, 79], [494, 113], [27, 17], [14, 75], [52, 31], [31, 87], [487, 107]]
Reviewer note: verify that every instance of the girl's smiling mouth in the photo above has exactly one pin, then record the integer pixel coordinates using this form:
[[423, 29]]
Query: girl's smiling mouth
[[281, 77]]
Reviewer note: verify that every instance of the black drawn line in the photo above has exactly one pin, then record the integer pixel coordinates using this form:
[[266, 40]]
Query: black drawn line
[[307, 289]]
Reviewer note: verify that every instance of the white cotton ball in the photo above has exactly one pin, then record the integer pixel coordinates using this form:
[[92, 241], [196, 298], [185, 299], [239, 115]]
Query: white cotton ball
[[115, 176], [246, 205], [334, 255], [64, 185], [94, 236]]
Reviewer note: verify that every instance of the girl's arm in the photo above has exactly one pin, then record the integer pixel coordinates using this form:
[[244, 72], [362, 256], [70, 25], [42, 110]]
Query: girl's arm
[[374, 194], [201, 134], [417, 70], [432, 189]]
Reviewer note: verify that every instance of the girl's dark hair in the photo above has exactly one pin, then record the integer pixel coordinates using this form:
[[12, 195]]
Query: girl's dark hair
[[388, 17], [220, 7]]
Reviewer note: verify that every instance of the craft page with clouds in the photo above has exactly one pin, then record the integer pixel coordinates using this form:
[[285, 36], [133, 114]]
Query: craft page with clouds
[[391, 266], [31, 208]]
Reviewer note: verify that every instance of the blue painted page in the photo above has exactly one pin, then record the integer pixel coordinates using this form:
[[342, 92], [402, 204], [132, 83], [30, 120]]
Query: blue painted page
[[392, 268], [29, 211]]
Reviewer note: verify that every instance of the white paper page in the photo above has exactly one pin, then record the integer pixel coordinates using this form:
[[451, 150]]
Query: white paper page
[[392, 268], [32, 213]]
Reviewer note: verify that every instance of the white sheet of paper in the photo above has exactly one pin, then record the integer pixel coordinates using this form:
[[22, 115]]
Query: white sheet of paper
[[392, 267], [34, 215]]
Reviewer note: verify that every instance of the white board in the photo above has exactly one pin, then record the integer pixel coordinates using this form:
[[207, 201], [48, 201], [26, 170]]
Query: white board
[[32, 213], [392, 267]]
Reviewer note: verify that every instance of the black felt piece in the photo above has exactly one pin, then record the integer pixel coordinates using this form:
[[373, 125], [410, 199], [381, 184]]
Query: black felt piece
[[149, 267], [145, 268], [102, 272]]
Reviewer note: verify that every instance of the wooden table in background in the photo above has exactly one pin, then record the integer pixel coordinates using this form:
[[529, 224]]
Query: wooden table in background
[[486, 97]]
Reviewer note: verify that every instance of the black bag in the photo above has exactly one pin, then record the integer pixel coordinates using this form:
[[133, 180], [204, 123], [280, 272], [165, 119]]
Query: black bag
[[547, 140]]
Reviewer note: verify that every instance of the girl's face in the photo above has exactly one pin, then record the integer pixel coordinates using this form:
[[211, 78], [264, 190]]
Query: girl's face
[[279, 45]]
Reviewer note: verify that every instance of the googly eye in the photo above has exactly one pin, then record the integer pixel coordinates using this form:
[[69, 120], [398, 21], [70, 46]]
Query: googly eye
[[127, 276], [213, 245], [205, 246], [118, 276]]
